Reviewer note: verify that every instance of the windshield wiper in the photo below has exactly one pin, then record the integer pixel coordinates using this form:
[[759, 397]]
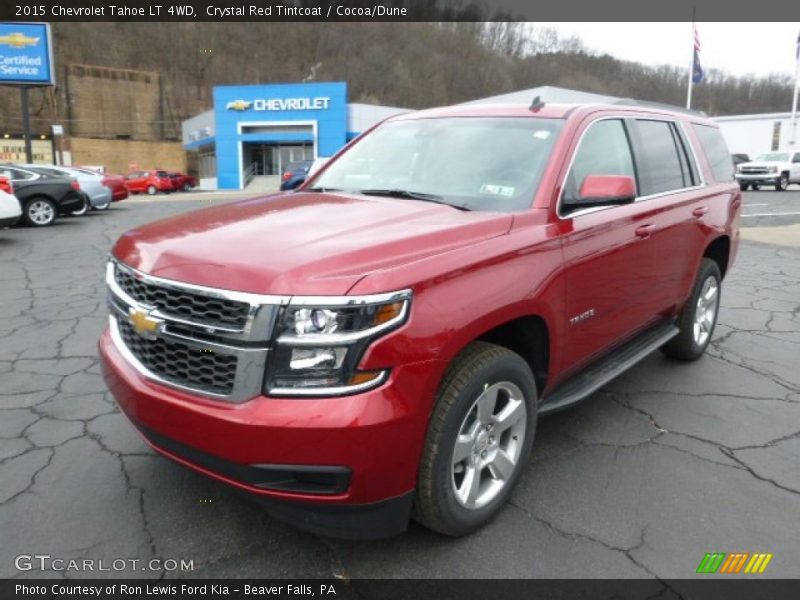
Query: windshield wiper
[[396, 193], [322, 189]]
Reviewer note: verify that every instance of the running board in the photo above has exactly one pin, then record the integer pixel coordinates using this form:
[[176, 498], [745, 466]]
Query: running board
[[600, 373]]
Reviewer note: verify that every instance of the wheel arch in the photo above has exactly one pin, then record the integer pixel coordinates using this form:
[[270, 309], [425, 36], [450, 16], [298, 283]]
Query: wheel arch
[[719, 250]]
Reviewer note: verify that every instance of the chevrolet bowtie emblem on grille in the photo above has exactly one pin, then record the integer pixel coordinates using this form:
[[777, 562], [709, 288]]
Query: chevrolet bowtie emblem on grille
[[143, 324]]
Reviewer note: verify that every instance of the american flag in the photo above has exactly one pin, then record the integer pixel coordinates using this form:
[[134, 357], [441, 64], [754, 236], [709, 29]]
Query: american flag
[[697, 70]]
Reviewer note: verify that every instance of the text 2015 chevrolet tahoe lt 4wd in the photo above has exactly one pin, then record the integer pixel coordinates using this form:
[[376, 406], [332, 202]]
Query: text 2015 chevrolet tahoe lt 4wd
[[380, 344]]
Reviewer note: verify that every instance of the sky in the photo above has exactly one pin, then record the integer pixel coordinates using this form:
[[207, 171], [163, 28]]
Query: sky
[[738, 48]]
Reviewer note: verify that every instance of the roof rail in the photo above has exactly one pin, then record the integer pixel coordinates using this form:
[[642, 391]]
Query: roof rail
[[664, 105]]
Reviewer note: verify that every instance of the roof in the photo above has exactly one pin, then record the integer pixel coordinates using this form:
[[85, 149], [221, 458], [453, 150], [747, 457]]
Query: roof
[[549, 95], [547, 111]]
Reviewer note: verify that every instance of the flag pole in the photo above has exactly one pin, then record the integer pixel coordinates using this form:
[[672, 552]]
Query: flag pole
[[691, 67], [794, 96]]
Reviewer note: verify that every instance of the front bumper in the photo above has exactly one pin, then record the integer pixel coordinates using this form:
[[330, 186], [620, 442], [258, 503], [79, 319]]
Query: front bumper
[[375, 437], [760, 178]]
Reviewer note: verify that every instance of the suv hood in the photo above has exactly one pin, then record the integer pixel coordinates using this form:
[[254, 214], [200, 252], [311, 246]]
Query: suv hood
[[301, 243]]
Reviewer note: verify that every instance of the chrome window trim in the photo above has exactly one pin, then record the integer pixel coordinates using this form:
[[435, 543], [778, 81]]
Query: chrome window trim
[[342, 390], [621, 117]]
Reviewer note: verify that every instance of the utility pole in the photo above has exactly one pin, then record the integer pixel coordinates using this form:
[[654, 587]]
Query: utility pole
[[26, 124]]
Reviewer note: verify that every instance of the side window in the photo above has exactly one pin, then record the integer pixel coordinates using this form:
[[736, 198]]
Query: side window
[[17, 175], [796, 158], [604, 150], [663, 169], [716, 151]]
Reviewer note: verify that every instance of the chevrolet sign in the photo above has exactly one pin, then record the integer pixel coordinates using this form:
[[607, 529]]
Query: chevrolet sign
[[281, 104]]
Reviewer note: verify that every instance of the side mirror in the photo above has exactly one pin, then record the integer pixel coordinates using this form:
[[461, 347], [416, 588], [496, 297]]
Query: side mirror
[[604, 190]]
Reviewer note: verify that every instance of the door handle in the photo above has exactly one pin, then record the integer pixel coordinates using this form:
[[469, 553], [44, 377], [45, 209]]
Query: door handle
[[644, 231], [700, 211]]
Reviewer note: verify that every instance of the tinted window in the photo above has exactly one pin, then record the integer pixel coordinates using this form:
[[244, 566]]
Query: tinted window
[[796, 158], [162, 174], [604, 150], [664, 170], [716, 151], [16, 175]]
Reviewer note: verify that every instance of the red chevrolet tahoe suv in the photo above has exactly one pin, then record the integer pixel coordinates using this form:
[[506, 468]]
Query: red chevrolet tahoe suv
[[379, 344]]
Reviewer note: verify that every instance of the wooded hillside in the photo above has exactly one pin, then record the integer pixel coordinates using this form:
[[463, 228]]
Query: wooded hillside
[[412, 65]]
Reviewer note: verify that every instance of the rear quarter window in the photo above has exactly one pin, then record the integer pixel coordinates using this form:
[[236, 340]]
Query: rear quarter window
[[716, 151]]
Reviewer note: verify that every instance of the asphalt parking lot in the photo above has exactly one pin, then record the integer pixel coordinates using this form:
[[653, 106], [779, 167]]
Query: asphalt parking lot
[[667, 463]]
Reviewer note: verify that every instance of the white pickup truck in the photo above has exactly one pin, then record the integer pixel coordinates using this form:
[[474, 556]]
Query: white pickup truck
[[773, 168]]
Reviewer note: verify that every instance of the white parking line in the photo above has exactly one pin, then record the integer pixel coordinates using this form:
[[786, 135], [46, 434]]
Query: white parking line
[[780, 214], [765, 204]]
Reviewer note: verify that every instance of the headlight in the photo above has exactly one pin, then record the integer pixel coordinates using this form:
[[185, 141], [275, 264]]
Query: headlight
[[320, 342], [773, 169]]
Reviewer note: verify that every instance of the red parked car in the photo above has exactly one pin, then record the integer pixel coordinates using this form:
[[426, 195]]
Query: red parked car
[[386, 337], [182, 181], [117, 183], [150, 182]]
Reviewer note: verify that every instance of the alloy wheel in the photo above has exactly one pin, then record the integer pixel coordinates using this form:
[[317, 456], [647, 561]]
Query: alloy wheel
[[41, 212], [706, 312], [488, 445]]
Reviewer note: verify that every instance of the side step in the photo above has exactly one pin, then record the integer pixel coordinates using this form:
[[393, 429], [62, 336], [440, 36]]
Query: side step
[[604, 370]]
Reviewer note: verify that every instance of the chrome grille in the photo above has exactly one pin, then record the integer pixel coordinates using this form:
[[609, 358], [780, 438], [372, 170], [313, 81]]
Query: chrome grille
[[754, 170], [183, 304], [181, 364]]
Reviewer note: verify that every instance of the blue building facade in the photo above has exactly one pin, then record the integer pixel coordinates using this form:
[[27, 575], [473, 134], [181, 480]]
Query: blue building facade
[[258, 130]]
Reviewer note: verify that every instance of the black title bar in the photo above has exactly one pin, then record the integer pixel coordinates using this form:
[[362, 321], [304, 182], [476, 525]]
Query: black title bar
[[399, 10]]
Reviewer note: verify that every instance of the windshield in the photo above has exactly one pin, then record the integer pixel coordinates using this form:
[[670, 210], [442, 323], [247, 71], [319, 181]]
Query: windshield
[[491, 164], [774, 157]]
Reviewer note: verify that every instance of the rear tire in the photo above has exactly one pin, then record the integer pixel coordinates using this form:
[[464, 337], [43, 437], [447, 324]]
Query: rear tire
[[698, 317], [82, 210], [479, 440], [152, 190], [187, 187], [39, 212]]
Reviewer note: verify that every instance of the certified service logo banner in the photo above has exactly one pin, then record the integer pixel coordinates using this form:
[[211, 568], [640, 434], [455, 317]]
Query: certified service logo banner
[[26, 54]]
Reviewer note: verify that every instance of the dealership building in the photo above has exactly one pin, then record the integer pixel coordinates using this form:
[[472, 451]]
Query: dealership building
[[253, 132]]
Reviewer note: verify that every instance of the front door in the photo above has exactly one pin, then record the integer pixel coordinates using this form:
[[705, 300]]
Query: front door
[[608, 254]]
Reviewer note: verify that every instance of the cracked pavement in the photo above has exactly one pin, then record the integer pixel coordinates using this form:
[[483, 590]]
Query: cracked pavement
[[666, 463]]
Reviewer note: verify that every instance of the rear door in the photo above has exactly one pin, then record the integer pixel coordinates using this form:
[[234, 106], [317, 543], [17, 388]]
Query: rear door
[[608, 251], [672, 190]]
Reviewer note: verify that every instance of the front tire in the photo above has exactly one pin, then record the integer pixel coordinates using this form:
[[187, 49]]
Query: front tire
[[479, 439], [699, 316], [187, 187], [743, 186], [783, 183]]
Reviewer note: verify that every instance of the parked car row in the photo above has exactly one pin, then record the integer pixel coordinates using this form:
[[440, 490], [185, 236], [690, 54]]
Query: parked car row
[[42, 193], [156, 180]]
